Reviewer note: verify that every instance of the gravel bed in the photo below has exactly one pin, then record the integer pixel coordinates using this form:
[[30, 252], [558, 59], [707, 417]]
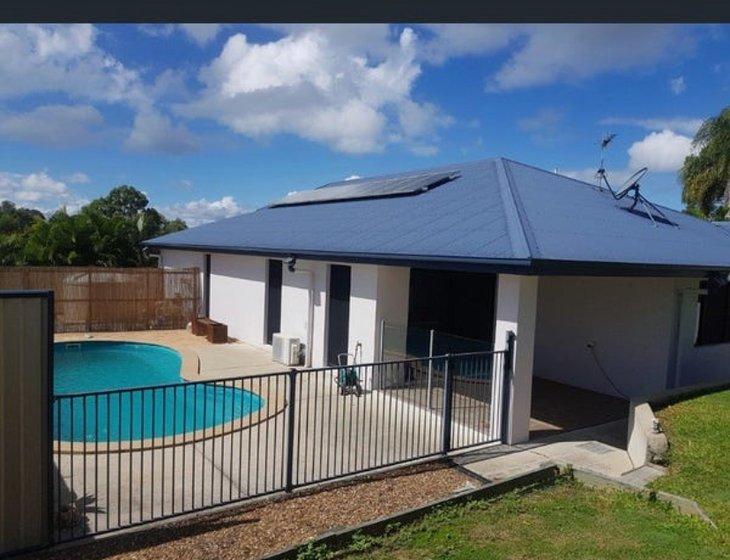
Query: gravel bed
[[264, 528]]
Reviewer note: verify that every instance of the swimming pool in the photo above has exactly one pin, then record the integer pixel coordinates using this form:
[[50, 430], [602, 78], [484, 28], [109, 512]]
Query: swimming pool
[[117, 391]]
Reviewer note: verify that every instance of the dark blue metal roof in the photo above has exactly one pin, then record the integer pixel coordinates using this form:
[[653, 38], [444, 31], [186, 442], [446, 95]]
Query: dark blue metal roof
[[496, 215]]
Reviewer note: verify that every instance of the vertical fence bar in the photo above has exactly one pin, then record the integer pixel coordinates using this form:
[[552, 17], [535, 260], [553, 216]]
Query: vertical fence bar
[[289, 485], [430, 369], [448, 402]]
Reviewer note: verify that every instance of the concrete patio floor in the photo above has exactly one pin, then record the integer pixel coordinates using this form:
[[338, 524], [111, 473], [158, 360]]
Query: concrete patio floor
[[334, 435]]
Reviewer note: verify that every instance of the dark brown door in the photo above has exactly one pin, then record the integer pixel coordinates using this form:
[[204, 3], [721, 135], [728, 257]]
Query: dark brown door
[[273, 300]]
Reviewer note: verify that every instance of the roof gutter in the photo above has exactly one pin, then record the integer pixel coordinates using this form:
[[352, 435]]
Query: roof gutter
[[507, 266], [504, 266]]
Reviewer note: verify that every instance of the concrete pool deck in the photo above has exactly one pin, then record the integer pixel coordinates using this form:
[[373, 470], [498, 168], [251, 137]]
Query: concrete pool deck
[[200, 359]]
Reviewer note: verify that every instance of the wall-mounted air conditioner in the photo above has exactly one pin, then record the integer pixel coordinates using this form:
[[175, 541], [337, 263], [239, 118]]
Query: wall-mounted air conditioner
[[285, 349]]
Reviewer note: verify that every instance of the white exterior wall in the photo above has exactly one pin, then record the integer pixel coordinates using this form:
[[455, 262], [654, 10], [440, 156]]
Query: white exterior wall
[[516, 306], [377, 293], [295, 304], [238, 295], [641, 339], [696, 366]]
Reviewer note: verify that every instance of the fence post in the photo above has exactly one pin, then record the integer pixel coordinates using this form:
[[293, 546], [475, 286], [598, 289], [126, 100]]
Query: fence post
[[508, 371], [290, 431], [448, 401]]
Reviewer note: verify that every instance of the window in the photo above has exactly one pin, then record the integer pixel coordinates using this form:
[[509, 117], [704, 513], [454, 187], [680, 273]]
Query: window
[[714, 314]]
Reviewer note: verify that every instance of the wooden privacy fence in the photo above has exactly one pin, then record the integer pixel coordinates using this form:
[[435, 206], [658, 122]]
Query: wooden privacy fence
[[92, 299]]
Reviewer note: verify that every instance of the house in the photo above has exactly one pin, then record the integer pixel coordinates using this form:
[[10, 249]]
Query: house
[[604, 297]]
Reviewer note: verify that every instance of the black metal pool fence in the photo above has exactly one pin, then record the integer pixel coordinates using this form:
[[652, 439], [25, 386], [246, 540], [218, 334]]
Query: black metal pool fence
[[126, 457]]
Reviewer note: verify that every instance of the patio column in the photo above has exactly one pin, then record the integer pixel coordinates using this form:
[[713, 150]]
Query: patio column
[[516, 311]]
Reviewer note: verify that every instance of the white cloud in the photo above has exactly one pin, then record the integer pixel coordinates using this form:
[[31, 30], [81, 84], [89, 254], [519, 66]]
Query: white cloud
[[660, 151], [78, 178], [570, 53], [544, 126], [352, 177], [677, 85], [154, 132], [451, 40], [53, 125], [196, 212], [684, 125], [36, 190], [201, 33], [316, 86], [65, 59]]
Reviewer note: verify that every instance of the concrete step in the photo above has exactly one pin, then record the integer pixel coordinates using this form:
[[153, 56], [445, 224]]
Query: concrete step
[[643, 475]]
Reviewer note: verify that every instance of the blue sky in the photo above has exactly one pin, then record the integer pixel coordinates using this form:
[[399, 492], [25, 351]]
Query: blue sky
[[212, 120]]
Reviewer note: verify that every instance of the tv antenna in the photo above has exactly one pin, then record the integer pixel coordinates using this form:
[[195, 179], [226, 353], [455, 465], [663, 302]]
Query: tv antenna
[[601, 173], [630, 186]]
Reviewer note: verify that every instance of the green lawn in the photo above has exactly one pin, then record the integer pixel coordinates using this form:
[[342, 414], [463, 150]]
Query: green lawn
[[699, 453], [565, 521], [570, 521]]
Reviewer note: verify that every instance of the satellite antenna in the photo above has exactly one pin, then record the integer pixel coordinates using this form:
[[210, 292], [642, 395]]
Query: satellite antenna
[[630, 186]]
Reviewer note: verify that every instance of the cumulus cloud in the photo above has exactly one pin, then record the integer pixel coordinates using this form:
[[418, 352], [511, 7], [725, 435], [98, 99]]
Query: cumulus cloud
[[313, 86], [78, 178], [449, 40], [544, 126], [196, 212], [660, 151], [683, 125], [37, 190], [66, 59], [53, 125], [201, 33], [154, 132], [677, 85], [570, 53]]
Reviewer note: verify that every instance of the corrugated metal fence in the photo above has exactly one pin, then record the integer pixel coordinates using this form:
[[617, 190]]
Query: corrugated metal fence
[[93, 299]]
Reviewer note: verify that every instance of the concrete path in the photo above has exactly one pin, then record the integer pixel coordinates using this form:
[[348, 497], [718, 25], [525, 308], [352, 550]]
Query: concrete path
[[600, 449]]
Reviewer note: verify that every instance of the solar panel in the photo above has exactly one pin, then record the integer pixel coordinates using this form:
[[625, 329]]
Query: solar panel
[[359, 189]]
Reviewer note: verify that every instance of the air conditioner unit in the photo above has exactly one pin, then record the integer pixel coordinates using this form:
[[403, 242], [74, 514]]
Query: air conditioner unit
[[285, 349]]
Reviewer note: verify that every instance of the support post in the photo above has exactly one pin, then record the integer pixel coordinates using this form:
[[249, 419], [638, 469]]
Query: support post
[[448, 402], [507, 373], [291, 409]]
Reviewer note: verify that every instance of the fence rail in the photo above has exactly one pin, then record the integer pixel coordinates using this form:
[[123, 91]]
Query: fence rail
[[92, 299], [126, 457]]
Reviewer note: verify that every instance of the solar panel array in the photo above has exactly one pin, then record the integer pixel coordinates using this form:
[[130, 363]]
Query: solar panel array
[[360, 189]]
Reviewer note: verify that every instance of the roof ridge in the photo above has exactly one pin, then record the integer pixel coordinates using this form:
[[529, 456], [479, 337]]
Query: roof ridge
[[516, 227]]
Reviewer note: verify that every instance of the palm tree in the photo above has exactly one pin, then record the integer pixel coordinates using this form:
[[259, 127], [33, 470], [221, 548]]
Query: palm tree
[[706, 173]]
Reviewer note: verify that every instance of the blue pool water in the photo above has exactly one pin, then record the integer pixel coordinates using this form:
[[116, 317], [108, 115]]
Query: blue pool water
[[136, 392]]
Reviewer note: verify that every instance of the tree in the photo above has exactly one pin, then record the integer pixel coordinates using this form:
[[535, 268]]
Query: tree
[[706, 173], [123, 201], [106, 232]]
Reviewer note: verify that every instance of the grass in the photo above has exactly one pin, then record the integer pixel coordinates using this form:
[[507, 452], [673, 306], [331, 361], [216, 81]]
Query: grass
[[570, 521], [699, 453], [565, 521]]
